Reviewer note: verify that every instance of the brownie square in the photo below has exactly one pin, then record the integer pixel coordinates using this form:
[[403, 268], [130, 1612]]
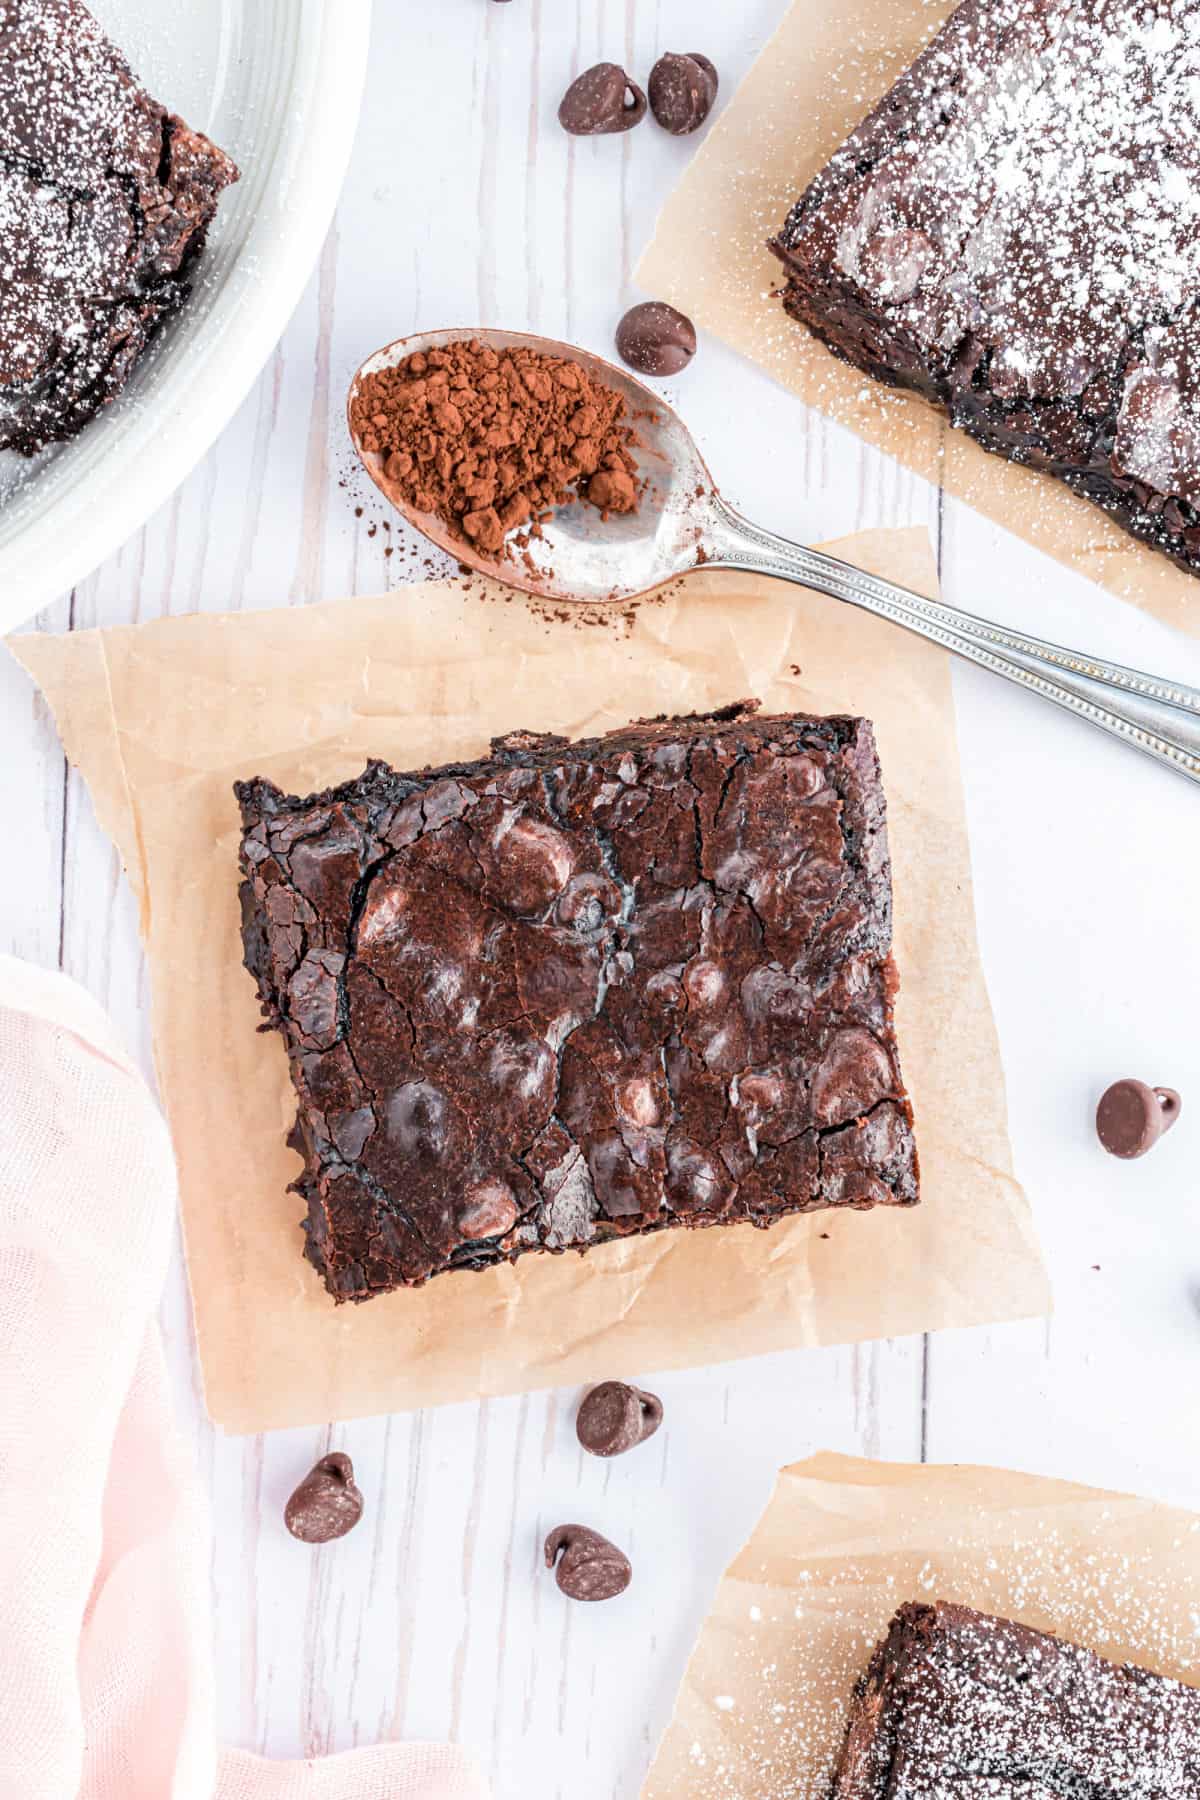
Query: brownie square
[[579, 991], [105, 202], [1014, 233], [956, 1705]]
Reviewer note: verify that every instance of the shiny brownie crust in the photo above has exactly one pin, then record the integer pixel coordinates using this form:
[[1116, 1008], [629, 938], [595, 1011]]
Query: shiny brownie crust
[[957, 1705], [579, 991], [1012, 234]]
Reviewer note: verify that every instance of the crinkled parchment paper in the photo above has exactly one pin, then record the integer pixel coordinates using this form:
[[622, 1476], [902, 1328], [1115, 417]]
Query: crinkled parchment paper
[[162, 718], [843, 1543], [822, 72]]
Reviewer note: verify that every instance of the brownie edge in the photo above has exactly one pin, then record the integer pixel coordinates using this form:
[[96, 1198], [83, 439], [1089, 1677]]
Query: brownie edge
[[575, 992], [958, 1705]]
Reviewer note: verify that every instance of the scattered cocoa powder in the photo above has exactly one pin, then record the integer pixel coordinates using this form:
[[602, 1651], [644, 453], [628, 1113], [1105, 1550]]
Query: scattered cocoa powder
[[489, 440]]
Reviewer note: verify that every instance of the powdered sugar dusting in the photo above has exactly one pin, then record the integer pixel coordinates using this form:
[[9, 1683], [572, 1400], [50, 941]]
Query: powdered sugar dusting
[[1113, 1578], [1059, 201], [1016, 234], [104, 198], [956, 1701]]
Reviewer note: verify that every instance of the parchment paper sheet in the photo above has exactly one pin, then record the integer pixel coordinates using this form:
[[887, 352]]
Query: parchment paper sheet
[[822, 72], [843, 1543], [162, 718]]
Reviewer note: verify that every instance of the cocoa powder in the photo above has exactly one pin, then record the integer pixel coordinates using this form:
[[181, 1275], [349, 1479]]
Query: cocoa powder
[[489, 441]]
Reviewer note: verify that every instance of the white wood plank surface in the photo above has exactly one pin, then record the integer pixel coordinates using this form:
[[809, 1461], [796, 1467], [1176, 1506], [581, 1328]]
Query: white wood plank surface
[[466, 204]]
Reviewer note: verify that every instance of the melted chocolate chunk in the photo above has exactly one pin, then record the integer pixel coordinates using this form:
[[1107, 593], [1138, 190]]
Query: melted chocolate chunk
[[576, 992]]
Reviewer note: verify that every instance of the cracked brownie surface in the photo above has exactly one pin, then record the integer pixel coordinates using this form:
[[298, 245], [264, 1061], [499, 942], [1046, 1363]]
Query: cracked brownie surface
[[1014, 233], [105, 201], [956, 1705], [577, 991]]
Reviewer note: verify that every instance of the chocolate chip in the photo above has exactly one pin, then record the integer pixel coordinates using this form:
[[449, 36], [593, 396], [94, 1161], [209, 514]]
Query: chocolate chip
[[615, 1418], [655, 339], [589, 1567], [601, 99], [1131, 1117], [682, 91], [327, 1504], [488, 1210]]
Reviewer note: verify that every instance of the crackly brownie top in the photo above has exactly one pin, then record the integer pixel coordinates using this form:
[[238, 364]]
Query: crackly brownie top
[[583, 989], [1028, 200], [100, 190], [970, 1705]]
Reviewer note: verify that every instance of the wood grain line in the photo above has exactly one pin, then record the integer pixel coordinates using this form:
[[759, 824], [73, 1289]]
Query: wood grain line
[[488, 178], [307, 584], [533, 305], [470, 1540], [64, 813], [315, 1711], [516, 1511], [410, 1529], [266, 422]]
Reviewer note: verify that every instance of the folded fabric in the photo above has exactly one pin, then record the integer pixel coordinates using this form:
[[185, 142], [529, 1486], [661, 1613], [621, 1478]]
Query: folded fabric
[[108, 1690]]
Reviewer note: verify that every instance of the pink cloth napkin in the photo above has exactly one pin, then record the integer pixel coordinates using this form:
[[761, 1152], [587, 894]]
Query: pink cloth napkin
[[107, 1690]]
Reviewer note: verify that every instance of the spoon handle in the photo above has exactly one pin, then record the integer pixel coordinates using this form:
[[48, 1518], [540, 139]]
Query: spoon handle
[[1159, 717]]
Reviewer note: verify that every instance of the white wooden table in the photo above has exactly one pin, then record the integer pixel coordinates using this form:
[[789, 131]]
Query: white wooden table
[[466, 204]]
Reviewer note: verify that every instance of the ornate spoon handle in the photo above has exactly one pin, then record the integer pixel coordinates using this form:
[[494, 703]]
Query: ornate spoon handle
[[1159, 717]]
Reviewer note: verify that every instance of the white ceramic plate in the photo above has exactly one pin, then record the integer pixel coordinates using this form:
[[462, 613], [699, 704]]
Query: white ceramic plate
[[277, 83]]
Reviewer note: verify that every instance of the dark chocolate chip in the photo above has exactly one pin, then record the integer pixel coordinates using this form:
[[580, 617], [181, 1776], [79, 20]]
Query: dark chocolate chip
[[615, 1418], [655, 339], [589, 1567], [488, 1210], [601, 99], [327, 1504], [1131, 1117], [682, 91]]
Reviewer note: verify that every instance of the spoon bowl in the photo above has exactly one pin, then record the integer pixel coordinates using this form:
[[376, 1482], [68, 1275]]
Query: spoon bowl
[[580, 555], [682, 523]]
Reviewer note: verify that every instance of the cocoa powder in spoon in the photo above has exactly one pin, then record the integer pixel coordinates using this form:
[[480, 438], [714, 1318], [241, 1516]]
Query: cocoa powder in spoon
[[489, 441]]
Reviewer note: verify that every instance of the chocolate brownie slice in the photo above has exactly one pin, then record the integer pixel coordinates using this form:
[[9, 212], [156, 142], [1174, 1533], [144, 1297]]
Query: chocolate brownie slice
[[956, 1705], [577, 991], [105, 201], [1014, 233]]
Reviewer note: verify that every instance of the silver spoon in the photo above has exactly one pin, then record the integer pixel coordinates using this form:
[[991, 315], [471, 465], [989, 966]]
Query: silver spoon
[[683, 522]]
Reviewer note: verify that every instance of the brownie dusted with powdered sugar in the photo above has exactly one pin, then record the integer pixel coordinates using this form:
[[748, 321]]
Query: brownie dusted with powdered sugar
[[1014, 233], [105, 203], [956, 1705]]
